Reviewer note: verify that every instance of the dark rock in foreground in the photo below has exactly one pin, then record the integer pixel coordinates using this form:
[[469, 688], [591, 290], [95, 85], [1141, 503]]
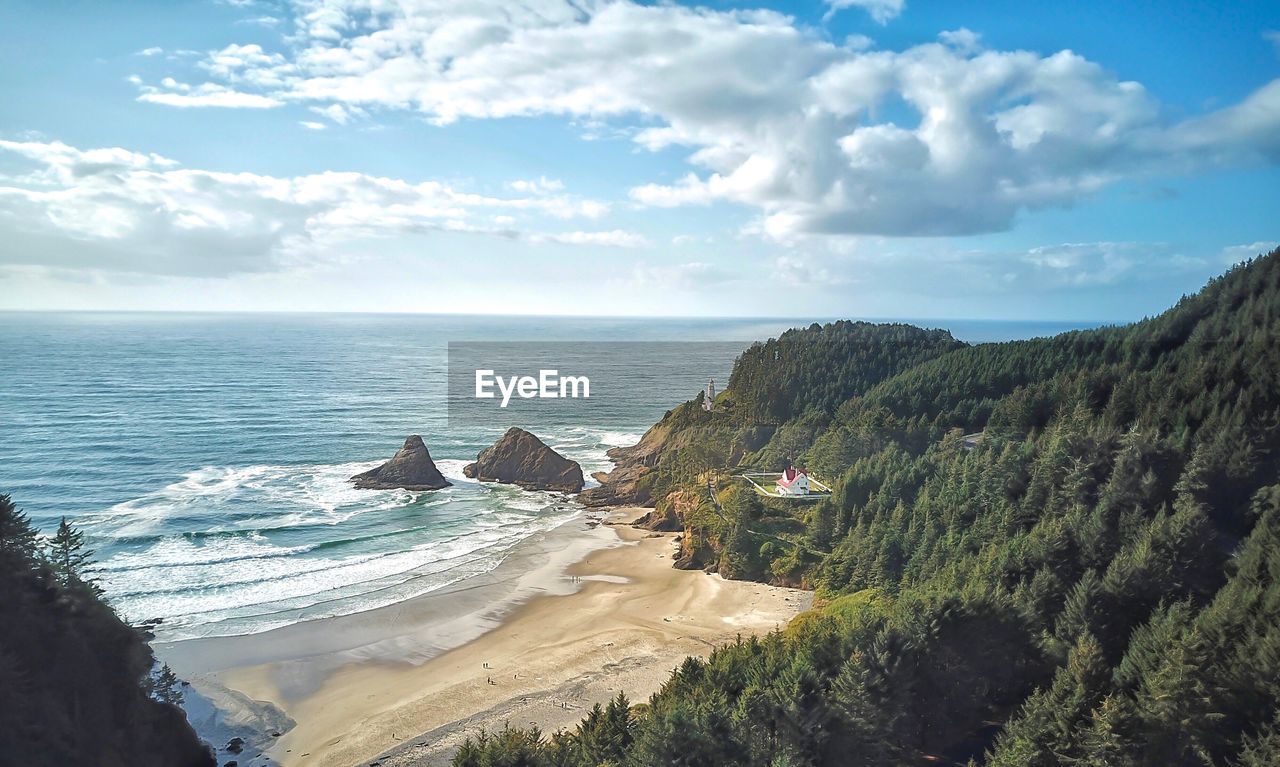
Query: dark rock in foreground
[[620, 487], [411, 468], [520, 458]]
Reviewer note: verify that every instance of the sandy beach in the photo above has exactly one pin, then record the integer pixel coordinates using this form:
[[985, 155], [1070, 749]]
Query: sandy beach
[[570, 620]]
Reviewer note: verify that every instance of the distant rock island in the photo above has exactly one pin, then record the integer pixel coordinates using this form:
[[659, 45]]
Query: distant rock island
[[520, 458], [411, 468]]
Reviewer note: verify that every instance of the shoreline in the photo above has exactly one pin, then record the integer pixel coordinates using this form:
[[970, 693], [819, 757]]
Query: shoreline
[[564, 622]]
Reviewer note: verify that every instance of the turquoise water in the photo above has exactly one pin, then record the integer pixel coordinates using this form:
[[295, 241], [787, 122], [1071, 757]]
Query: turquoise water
[[206, 456]]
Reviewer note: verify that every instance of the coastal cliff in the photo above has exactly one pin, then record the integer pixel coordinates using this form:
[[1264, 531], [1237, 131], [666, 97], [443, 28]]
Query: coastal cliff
[[78, 685], [642, 472], [520, 458], [411, 468], [781, 394], [1094, 581]]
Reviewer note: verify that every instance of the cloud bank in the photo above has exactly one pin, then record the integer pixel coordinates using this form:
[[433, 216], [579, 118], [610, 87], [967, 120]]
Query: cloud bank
[[943, 138], [118, 210]]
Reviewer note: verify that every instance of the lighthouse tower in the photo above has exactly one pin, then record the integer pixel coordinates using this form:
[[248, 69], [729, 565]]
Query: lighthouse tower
[[709, 401]]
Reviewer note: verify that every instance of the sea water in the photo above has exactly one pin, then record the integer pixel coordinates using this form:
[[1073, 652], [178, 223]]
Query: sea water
[[207, 456]]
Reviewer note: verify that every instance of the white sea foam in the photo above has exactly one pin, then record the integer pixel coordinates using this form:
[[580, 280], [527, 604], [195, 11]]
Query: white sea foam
[[590, 446], [619, 438], [250, 583], [278, 543], [313, 494], [451, 468]]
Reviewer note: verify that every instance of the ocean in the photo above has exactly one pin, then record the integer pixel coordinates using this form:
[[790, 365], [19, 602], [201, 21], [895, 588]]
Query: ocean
[[206, 456]]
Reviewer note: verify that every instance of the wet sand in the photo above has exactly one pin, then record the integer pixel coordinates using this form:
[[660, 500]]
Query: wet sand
[[544, 638]]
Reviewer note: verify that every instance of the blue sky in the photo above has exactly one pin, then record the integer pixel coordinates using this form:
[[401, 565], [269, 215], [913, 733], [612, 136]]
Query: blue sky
[[871, 158]]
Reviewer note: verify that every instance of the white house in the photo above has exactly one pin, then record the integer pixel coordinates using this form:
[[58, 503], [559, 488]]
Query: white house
[[793, 482]]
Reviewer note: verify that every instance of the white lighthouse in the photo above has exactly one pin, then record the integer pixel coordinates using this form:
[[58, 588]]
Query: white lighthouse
[[709, 401]]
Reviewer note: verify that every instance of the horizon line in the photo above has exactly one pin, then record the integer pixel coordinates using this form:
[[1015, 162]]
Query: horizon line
[[375, 313]]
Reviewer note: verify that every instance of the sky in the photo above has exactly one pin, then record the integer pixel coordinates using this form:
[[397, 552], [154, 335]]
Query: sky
[[1087, 161]]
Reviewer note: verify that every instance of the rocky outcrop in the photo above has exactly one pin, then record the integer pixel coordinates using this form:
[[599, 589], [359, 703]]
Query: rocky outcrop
[[620, 487], [411, 468], [664, 519], [693, 552], [520, 458]]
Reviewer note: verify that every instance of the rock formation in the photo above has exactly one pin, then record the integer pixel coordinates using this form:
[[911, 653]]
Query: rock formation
[[410, 468], [520, 458], [620, 487]]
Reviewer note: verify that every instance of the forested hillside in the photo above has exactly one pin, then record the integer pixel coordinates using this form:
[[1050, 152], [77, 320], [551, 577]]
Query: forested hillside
[[1092, 581], [77, 684], [781, 395]]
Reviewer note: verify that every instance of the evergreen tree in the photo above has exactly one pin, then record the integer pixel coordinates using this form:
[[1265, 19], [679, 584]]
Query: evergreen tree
[[18, 539], [1107, 740], [75, 682], [1262, 749], [1083, 612], [1045, 732], [606, 734], [1095, 582], [69, 557], [168, 687]]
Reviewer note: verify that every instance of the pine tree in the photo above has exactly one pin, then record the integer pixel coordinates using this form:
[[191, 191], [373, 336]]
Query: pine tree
[[1083, 610], [1106, 741], [606, 733], [69, 557], [822, 526], [17, 536], [1263, 749], [167, 687], [1045, 732]]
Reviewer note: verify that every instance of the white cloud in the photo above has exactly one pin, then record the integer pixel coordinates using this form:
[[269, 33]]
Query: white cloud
[[796, 271], [962, 39], [1272, 36], [683, 277], [260, 21], [117, 210], [936, 272], [856, 42], [883, 11], [340, 114], [176, 94], [1095, 263], [540, 185], [689, 190], [615, 238], [312, 125], [248, 66], [1234, 254], [942, 138], [153, 51]]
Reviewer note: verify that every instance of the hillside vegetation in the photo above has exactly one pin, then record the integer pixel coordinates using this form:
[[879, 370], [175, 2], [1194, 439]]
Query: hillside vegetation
[[78, 686], [1093, 582]]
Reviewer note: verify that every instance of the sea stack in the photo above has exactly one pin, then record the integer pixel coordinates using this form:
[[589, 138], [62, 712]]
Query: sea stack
[[411, 468], [520, 458]]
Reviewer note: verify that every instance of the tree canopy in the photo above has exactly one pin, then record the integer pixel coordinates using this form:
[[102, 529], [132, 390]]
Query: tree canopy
[[77, 684], [1091, 582]]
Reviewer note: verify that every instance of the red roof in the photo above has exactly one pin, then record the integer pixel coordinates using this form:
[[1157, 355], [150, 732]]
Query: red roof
[[789, 476]]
